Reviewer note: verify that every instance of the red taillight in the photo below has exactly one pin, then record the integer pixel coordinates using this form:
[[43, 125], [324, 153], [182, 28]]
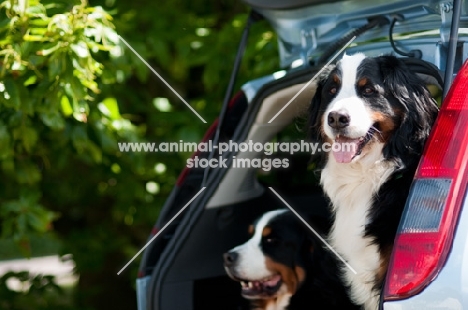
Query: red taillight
[[426, 231]]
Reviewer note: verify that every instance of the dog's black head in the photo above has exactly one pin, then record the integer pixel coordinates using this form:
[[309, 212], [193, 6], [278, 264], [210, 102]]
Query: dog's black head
[[284, 264], [273, 262], [371, 107]]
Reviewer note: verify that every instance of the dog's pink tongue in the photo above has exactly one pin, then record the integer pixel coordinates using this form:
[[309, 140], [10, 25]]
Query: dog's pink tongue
[[345, 149], [273, 280]]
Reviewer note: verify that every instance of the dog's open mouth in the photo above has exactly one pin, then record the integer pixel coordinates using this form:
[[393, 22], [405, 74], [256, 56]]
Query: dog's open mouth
[[261, 288], [346, 149]]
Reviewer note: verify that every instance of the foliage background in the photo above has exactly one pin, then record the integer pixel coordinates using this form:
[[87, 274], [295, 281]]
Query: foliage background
[[69, 91]]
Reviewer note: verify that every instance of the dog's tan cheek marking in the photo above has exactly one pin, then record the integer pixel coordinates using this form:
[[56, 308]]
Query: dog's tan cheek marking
[[387, 125], [291, 278], [251, 229], [300, 274], [266, 231]]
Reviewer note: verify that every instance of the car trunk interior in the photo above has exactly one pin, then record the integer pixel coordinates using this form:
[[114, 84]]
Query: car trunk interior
[[190, 275], [196, 278]]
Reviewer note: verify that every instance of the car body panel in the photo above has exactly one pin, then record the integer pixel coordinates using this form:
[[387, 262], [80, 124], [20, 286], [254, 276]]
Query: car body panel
[[449, 290]]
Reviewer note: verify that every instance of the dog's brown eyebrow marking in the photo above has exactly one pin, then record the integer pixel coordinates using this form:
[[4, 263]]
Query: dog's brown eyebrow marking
[[266, 231], [362, 82], [336, 78], [251, 229]]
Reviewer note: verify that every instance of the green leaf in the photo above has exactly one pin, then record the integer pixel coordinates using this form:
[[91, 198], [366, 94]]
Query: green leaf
[[8, 165], [95, 152], [27, 135], [141, 69], [53, 120], [161, 51], [40, 219], [30, 80], [35, 9], [108, 143], [27, 172], [110, 108], [37, 61], [67, 109], [11, 93], [29, 139], [78, 90], [57, 65], [43, 89], [10, 207], [47, 52], [39, 31], [27, 104], [79, 138], [35, 38], [40, 22], [80, 110], [22, 223], [5, 138]]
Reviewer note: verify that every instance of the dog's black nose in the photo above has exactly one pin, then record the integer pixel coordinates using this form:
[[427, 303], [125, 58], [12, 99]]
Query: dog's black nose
[[338, 119], [230, 258]]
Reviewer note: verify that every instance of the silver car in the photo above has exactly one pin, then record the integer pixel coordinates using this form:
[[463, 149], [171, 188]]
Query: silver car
[[182, 268]]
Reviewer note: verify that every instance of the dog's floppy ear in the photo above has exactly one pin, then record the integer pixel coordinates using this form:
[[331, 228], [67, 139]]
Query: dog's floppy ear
[[418, 109], [316, 109]]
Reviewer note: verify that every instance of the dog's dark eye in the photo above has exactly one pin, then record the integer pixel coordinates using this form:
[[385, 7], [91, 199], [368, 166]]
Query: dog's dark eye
[[332, 90], [271, 240], [368, 90]]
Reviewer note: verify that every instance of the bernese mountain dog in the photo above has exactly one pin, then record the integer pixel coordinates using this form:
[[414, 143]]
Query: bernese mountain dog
[[377, 115], [285, 266]]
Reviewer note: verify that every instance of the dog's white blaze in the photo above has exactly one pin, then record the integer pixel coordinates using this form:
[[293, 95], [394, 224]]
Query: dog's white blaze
[[251, 264], [348, 101], [349, 65], [351, 188]]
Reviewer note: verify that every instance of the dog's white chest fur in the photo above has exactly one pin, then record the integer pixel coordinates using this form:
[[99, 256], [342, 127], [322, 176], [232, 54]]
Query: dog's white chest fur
[[351, 188]]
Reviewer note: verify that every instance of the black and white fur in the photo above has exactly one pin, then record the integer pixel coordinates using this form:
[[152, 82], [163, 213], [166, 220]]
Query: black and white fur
[[285, 266], [385, 111]]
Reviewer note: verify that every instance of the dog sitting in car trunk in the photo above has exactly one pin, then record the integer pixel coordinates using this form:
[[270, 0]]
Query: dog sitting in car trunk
[[285, 266]]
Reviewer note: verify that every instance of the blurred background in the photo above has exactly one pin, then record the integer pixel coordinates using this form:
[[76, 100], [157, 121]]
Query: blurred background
[[73, 209]]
